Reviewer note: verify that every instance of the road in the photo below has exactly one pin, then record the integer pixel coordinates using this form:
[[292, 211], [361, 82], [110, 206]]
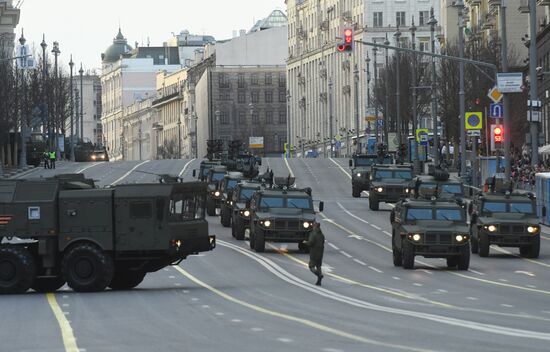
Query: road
[[234, 299]]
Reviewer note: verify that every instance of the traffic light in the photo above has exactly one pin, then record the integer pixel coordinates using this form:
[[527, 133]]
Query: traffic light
[[497, 136], [347, 45]]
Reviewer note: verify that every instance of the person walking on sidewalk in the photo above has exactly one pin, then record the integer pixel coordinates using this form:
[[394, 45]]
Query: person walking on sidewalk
[[52, 160], [316, 245]]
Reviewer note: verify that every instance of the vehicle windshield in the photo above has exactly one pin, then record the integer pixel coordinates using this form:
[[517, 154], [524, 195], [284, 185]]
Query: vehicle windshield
[[271, 202], [451, 188], [399, 174], [448, 214], [521, 207], [419, 214], [300, 203], [186, 207], [494, 207], [380, 174], [205, 171], [364, 161], [231, 184], [217, 176], [246, 194]]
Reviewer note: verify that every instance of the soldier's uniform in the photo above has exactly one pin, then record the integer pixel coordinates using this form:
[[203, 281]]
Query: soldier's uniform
[[46, 157], [316, 245]]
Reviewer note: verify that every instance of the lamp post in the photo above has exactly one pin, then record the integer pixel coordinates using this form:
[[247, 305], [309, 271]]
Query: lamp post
[[71, 66], [55, 52], [179, 138], [416, 158], [462, 104], [81, 72], [367, 60], [532, 91], [356, 88], [330, 117], [139, 141], [45, 119], [397, 36], [374, 55], [288, 126], [23, 155], [387, 108], [432, 22]]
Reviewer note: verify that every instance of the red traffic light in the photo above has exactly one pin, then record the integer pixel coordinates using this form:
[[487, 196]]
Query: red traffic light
[[347, 45], [348, 35], [497, 132]]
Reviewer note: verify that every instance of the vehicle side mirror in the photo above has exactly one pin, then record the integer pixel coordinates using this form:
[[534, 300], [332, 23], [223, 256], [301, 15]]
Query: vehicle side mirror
[[543, 212], [321, 206], [194, 173], [350, 163], [260, 162]]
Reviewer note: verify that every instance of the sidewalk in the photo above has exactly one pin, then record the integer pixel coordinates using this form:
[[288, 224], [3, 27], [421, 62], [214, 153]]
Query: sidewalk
[[10, 172]]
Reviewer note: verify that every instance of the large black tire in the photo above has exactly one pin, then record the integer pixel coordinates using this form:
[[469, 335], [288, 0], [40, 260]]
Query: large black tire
[[259, 242], [408, 254], [210, 207], [474, 241], [374, 204], [86, 268], [49, 284], [17, 269], [464, 259], [252, 239], [126, 279], [239, 229], [452, 262], [355, 192], [397, 256], [483, 240], [531, 251], [225, 216]]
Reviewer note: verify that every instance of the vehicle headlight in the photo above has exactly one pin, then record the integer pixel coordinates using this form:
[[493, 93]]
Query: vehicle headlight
[[93, 157], [491, 228], [532, 229], [246, 213], [306, 225], [267, 223], [217, 193], [358, 174], [379, 189], [461, 238], [230, 202], [407, 190], [416, 237], [102, 156]]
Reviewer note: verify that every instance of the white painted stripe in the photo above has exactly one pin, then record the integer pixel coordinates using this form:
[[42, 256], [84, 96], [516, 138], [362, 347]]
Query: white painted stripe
[[185, 167], [395, 278], [359, 262], [386, 233], [376, 227], [129, 172], [341, 168], [476, 272], [346, 254], [333, 246], [87, 167], [507, 305], [377, 270]]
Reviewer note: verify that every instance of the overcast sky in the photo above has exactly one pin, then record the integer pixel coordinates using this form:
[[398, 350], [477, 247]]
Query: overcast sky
[[86, 28]]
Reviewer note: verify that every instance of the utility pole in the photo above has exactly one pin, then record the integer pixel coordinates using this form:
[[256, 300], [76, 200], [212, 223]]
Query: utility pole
[[330, 117], [416, 155], [71, 65], [288, 126], [375, 100], [81, 72], [387, 108], [23, 109], [533, 91], [356, 88], [506, 99], [433, 22], [462, 104], [367, 107], [397, 36]]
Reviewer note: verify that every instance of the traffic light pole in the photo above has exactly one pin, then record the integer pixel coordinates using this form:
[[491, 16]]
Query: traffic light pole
[[331, 134], [506, 100], [533, 74]]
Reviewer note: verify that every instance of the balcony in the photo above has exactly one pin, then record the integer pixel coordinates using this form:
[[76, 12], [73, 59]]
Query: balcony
[[494, 3], [543, 2], [524, 6], [473, 2]]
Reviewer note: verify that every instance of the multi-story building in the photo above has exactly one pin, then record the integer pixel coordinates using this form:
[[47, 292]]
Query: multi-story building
[[129, 75], [9, 19], [140, 137], [87, 123]]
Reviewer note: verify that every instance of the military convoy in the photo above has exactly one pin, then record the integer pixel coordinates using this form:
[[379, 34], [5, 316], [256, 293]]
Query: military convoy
[[239, 207], [360, 167], [227, 185], [389, 183], [63, 229], [214, 195]]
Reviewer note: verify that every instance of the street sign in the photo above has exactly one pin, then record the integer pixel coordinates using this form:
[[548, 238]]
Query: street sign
[[371, 115], [495, 95], [255, 142], [338, 145], [534, 103], [380, 122], [338, 137], [473, 120], [472, 133], [422, 136], [367, 130], [533, 116], [496, 111], [510, 82]]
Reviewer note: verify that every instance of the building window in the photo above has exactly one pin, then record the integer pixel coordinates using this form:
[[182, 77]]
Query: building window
[[400, 18], [282, 96], [225, 95], [241, 80], [242, 117], [423, 18], [254, 79], [255, 118], [255, 96], [268, 79], [282, 79], [423, 44], [377, 19], [224, 82], [224, 118], [268, 96], [269, 117], [282, 117], [242, 96]]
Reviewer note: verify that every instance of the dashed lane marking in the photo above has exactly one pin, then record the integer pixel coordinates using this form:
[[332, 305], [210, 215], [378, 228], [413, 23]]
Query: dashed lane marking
[[341, 168], [69, 340], [376, 227], [284, 339], [333, 246], [519, 256], [472, 298], [377, 270], [346, 254], [257, 329], [507, 305], [359, 262]]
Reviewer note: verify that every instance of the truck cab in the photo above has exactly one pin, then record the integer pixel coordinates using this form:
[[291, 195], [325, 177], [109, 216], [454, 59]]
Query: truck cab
[[360, 167], [213, 197], [389, 183]]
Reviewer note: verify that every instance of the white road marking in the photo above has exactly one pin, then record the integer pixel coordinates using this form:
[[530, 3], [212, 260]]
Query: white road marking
[[346, 254], [386, 233], [332, 350], [476, 272], [472, 298], [65, 296], [129, 172], [185, 167], [545, 311], [376, 227], [194, 299], [236, 320], [205, 306], [86, 168], [177, 284], [377, 270], [171, 277], [65, 305], [507, 305], [351, 214], [528, 273], [395, 278], [185, 291], [359, 262], [284, 339], [503, 280], [531, 286], [257, 329], [220, 314], [442, 291], [427, 271], [333, 246], [341, 168], [418, 284], [66, 313]]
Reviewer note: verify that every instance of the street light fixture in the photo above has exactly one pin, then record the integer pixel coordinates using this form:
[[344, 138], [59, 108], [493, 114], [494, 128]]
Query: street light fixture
[[397, 37], [416, 158], [81, 72], [71, 65], [45, 118], [23, 155], [387, 109], [56, 52]]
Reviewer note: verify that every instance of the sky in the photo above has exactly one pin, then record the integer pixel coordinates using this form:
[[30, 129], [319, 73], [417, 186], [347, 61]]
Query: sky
[[86, 28]]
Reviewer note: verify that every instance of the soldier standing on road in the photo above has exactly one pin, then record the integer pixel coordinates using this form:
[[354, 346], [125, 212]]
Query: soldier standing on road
[[46, 157], [316, 245], [52, 160]]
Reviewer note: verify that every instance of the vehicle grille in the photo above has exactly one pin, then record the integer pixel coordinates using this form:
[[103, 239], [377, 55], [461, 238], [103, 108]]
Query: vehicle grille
[[513, 228], [286, 224], [394, 191], [439, 238]]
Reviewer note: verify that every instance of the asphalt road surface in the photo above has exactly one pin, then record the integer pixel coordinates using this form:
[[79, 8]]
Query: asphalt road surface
[[233, 299]]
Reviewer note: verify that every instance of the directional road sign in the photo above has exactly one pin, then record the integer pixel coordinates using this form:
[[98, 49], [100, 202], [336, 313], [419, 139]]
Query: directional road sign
[[474, 120], [495, 95], [496, 111], [380, 122], [510, 82]]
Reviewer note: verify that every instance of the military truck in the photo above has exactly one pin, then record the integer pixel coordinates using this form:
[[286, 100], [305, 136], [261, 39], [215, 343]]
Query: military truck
[[239, 207], [227, 185], [506, 219], [99, 154], [213, 198], [360, 165], [440, 182], [434, 228], [389, 183], [281, 215], [205, 166], [62, 229]]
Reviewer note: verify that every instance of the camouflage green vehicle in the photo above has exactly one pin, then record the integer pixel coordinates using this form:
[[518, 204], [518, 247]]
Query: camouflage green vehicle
[[239, 207], [360, 167], [389, 183], [432, 229], [214, 196], [505, 219], [62, 229], [440, 182], [281, 215], [205, 166], [227, 185]]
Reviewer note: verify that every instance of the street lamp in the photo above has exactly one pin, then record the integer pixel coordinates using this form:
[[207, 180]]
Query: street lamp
[[397, 36], [45, 118], [374, 55], [416, 158], [356, 88], [179, 137], [433, 22], [55, 52], [71, 65], [81, 72], [387, 109], [288, 124], [23, 156]]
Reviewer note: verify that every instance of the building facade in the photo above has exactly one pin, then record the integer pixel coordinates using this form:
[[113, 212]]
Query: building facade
[[88, 124], [139, 119], [9, 19]]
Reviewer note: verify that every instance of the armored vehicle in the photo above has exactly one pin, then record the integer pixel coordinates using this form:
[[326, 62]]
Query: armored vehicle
[[360, 165], [227, 185], [62, 229], [99, 155], [441, 182], [389, 183], [506, 219], [205, 166], [213, 198], [239, 207], [281, 215], [430, 228]]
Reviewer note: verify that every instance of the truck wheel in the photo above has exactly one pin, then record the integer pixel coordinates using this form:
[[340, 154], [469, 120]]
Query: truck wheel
[[17, 270], [238, 226], [355, 192], [252, 238], [48, 284], [373, 203], [87, 268], [408, 254], [126, 279], [397, 257], [483, 240], [210, 207], [225, 216], [464, 259], [473, 241], [259, 242], [452, 262], [531, 251]]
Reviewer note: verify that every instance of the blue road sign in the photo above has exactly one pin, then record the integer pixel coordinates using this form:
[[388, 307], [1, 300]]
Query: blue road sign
[[496, 111], [380, 122], [338, 145]]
